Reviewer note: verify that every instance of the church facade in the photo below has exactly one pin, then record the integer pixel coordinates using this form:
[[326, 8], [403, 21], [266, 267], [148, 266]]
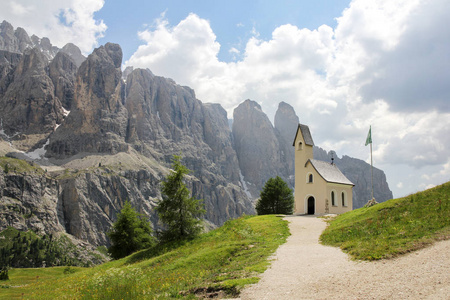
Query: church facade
[[320, 187]]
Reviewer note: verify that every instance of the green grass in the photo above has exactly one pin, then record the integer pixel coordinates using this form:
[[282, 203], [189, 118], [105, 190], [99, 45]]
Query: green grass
[[14, 165], [223, 260], [393, 227]]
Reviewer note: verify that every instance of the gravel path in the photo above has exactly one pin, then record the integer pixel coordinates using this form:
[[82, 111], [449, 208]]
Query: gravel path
[[304, 269]]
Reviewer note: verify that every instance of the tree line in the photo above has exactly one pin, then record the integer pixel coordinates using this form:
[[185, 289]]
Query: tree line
[[28, 250]]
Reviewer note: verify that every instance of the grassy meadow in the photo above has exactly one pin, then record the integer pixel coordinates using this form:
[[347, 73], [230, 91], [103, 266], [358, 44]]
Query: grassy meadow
[[223, 261], [219, 262], [393, 227]]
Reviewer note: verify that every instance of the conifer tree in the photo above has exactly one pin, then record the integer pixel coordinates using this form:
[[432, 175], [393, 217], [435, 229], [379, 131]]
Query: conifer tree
[[129, 233], [180, 214], [275, 198]]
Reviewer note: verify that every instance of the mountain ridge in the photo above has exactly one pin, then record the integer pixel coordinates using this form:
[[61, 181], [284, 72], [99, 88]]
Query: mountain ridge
[[102, 139]]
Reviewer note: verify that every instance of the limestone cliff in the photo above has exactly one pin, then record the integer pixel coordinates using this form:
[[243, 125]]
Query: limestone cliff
[[30, 110], [97, 122], [257, 146]]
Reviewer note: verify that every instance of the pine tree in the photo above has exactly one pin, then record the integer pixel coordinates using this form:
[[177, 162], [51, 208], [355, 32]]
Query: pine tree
[[180, 214], [275, 198], [129, 233]]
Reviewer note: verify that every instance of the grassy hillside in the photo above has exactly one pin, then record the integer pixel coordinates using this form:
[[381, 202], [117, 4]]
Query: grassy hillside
[[393, 227], [15, 165], [219, 262]]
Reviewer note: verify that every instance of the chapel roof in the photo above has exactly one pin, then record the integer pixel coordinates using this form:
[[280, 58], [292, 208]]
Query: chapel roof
[[330, 172], [305, 133]]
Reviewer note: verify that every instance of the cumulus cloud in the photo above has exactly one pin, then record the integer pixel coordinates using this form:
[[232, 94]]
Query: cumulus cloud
[[385, 64], [413, 75], [62, 21]]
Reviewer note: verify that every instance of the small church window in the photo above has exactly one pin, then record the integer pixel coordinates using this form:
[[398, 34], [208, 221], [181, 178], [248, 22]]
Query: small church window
[[333, 199], [310, 178], [344, 199], [300, 146]]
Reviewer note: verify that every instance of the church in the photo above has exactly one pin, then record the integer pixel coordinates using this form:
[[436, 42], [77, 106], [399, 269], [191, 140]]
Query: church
[[320, 187]]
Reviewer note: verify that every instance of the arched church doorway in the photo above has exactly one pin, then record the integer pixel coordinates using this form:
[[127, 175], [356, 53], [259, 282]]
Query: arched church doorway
[[311, 205]]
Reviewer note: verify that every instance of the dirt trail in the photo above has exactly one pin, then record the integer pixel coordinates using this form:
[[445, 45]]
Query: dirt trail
[[304, 269]]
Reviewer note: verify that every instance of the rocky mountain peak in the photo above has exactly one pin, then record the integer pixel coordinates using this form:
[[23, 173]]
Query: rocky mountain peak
[[115, 52], [29, 106], [98, 78], [98, 120], [23, 39], [8, 39], [33, 62], [18, 41], [256, 145], [286, 121], [62, 70], [75, 53]]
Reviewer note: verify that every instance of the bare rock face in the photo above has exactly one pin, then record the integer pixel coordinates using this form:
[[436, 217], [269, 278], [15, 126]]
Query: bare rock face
[[264, 151], [8, 63], [286, 123], [256, 145], [13, 41], [166, 119], [28, 201], [98, 119], [88, 204], [62, 71], [29, 106], [75, 53]]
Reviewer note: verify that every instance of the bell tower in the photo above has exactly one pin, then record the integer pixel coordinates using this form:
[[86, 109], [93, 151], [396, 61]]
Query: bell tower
[[303, 144]]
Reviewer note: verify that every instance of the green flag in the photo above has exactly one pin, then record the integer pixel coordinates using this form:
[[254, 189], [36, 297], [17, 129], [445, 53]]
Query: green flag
[[369, 136]]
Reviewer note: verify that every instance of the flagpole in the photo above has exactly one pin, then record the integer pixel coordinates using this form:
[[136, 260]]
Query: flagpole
[[369, 141], [371, 166]]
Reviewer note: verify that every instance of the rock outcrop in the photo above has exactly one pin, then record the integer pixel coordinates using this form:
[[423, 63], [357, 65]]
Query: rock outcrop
[[75, 53], [30, 110], [62, 70], [12, 40], [97, 122], [166, 119], [256, 145], [286, 123], [18, 40]]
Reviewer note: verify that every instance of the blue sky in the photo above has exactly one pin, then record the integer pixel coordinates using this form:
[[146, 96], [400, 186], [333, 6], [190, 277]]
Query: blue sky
[[232, 21], [342, 65]]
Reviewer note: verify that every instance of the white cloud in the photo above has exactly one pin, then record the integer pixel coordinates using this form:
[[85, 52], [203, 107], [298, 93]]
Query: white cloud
[[385, 64], [396, 51], [233, 50], [62, 21]]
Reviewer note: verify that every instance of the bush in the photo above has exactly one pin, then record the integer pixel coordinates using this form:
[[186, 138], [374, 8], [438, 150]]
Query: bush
[[4, 274]]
